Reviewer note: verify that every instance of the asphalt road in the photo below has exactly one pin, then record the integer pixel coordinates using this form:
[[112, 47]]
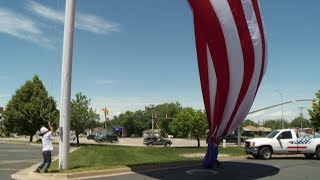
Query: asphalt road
[[277, 168], [14, 157]]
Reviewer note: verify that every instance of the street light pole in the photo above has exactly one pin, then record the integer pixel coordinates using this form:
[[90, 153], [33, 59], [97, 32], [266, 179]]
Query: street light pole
[[152, 118], [301, 116], [66, 72], [281, 106]]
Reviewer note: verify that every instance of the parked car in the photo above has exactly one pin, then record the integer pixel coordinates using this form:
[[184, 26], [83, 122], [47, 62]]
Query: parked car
[[153, 140], [135, 135], [107, 138], [231, 138], [91, 136], [72, 137]]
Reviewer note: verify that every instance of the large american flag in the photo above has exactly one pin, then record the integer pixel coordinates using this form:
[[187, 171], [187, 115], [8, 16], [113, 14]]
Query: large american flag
[[232, 59]]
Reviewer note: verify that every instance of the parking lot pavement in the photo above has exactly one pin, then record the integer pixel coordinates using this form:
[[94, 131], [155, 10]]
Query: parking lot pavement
[[15, 157], [126, 141], [176, 142]]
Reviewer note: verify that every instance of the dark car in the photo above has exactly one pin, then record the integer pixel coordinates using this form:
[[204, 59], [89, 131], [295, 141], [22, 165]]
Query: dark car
[[152, 140], [231, 138], [91, 136], [107, 138]]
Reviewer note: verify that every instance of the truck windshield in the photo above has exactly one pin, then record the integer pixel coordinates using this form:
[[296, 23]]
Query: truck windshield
[[272, 134]]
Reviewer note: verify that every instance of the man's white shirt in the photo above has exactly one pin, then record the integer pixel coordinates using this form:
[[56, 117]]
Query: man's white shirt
[[46, 142]]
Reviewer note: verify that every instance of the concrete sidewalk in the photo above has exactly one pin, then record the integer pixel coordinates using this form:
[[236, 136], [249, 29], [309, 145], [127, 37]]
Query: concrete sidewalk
[[29, 174]]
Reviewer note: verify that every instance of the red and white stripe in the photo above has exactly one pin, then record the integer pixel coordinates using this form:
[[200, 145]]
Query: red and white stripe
[[231, 52]]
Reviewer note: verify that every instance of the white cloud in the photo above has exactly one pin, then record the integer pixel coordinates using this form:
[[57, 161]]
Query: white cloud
[[288, 115], [95, 24], [86, 22], [21, 27], [4, 77], [3, 96], [255, 115], [104, 82]]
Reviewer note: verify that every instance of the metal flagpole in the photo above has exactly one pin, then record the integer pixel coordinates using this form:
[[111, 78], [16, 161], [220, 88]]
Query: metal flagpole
[[64, 125]]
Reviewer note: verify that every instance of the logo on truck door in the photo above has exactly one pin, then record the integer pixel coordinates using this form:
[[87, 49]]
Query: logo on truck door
[[304, 140]]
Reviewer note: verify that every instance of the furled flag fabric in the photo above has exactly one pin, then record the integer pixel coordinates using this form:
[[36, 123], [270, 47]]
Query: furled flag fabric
[[232, 59]]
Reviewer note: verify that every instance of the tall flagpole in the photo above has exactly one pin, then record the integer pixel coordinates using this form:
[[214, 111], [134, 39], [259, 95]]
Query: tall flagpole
[[66, 73]]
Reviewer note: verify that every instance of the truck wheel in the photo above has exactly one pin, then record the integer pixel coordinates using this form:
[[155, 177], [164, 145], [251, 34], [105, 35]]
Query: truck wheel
[[309, 156], [265, 153], [318, 154]]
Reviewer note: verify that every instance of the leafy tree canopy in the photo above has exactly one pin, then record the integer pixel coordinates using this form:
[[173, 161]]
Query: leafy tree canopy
[[299, 121], [82, 116], [29, 108], [249, 122], [275, 124], [314, 112], [189, 121]]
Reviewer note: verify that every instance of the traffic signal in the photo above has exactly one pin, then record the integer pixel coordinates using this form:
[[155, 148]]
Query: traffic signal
[[314, 102], [105, 110]]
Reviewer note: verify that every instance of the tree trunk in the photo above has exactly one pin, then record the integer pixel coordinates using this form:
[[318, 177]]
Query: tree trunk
[[198, 139], [77, 136], [31, 138]]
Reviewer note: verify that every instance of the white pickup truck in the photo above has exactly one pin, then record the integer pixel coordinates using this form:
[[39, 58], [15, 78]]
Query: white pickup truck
[[284, 141]]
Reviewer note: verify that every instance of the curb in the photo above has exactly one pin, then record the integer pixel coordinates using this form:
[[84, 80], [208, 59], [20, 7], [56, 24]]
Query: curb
[[28, 173]]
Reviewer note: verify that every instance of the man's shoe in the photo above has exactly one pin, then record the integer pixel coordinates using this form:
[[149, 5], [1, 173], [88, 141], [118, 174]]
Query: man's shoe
[[45, 171], [37, 171]]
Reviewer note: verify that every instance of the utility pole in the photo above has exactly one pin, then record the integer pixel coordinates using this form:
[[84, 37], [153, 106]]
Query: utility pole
[[106, 112], [152, 118], [281, 107], [301, 116], [152, 124], [66, 74]]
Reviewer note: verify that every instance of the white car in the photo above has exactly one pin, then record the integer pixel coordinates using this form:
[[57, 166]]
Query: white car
[[283, 141]]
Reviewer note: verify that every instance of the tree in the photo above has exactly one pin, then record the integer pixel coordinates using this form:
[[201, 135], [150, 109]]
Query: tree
[[138, 121], [315, 112], [189, 121], [300, 122], [163, 114], [199, 124], [275, 124], [249, 122], [29, 109], [166, 112], [82, 116], [133, 122]]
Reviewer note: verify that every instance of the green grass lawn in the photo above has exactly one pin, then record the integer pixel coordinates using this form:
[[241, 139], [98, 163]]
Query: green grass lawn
[[92, 157]]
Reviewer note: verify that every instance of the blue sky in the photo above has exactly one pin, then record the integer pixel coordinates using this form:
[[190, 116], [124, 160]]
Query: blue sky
[[130, 54]]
